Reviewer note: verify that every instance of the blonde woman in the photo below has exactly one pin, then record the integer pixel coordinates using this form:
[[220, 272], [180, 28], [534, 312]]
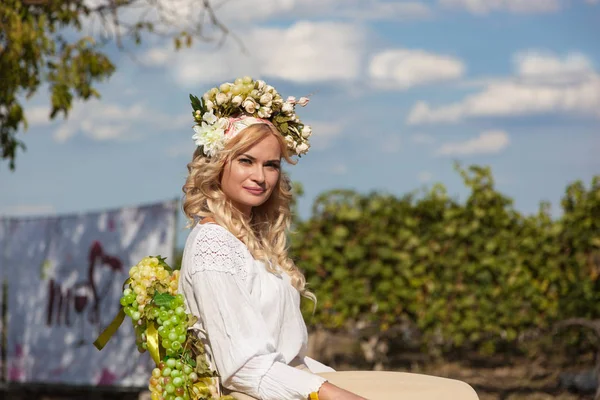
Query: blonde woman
[[236, 275]]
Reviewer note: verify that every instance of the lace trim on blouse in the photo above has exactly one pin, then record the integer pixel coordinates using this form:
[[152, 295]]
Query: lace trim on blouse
[[216, 249]]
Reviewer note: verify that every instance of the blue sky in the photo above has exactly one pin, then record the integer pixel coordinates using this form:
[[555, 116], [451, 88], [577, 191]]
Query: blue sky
[[399, 91]]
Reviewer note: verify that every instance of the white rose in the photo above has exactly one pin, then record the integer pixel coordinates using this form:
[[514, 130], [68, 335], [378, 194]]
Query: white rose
[[291, 99], [262, 113], [269, 88], [221, 98], [249, 105], [306, 131], [237, 101], [287, 107], [266, 98], [303, 101], [260, 84], [209, 105], [302, 148]]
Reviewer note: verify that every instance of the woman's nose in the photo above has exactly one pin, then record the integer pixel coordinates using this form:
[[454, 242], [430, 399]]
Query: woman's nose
[[258, 174]]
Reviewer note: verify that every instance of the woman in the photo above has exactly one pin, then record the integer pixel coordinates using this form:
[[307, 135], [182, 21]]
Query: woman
[[236, 275]]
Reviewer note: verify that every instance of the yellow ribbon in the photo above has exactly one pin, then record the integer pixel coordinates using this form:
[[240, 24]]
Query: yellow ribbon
[[110, 330], [114, 325], [152, 342]]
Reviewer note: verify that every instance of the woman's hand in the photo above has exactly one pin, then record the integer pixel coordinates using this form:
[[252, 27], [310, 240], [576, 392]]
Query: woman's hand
[[329, 391]]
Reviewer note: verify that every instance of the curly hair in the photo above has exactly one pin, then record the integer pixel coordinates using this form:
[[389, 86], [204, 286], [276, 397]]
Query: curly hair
[[265, 232]]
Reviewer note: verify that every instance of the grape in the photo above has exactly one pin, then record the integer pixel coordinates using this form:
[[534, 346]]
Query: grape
[[171, 363], [177, 381]]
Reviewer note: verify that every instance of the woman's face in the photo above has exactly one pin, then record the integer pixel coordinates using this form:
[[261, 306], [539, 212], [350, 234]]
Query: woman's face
[[248, 180]]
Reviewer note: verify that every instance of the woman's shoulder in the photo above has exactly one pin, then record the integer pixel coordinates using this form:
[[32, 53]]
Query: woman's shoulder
[[211, 246], [212, 235]]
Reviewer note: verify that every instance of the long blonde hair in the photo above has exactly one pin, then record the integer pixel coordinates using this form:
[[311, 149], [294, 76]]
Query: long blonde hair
[[265, 233]]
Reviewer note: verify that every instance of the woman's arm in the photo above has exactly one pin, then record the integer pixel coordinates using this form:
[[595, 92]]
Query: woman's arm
[[329, 391]]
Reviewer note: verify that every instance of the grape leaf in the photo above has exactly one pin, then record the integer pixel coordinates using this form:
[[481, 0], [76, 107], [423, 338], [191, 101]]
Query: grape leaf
[[163, 299]]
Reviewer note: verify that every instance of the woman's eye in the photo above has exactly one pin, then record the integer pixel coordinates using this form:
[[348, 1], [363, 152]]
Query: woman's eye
[[245, 161], [273, 166]]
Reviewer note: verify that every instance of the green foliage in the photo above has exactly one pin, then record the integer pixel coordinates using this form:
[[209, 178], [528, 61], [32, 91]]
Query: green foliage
[[33, 50], [472, 275], [43, 41]]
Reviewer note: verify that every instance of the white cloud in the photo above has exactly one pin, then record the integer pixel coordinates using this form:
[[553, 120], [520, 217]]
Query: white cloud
[[488, 142], [304, 52], [102, 121], [404, 68], [37, 115], [541, 65], [543, 83], [380, 10], [28, 210], [247, 12], [310, 51], [424, 176], [482, 7]]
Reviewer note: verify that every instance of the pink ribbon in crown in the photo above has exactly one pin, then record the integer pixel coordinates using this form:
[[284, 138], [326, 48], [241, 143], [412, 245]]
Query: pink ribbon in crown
[[238, 124]]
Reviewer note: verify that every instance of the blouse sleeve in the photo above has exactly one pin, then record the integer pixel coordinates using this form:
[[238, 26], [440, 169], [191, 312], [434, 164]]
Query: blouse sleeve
[[243, 351]]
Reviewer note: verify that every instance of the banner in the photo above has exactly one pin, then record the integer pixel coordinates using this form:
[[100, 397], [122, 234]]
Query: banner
[[65, 277]]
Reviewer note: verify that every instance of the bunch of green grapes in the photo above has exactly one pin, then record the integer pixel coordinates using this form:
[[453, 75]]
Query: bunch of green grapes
[[172, 325], [176, 380]]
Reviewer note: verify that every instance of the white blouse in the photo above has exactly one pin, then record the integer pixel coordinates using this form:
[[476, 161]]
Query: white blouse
[[252, 317]]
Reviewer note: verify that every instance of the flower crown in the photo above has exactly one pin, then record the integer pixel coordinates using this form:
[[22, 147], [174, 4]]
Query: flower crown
[[223, 112]]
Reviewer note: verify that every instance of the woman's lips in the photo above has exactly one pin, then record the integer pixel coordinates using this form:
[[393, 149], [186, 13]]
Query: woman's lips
[[255, 191]]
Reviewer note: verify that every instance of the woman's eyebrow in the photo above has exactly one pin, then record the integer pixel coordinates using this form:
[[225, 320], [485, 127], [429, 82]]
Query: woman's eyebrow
[[254, 159]]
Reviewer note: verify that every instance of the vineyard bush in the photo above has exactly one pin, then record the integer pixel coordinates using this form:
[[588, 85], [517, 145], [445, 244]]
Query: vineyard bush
[[467, 275]]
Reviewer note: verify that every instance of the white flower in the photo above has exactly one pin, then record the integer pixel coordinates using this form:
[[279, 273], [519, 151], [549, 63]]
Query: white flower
[[266, 98], [237, 101], [211, 137], [303, 101], [197, 113], [209, 117], [302, 148], [287, 107], [291, 99], [249, 105], [306, 131], [209, 105], [221, 98], [264, 112], [260, 84]]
